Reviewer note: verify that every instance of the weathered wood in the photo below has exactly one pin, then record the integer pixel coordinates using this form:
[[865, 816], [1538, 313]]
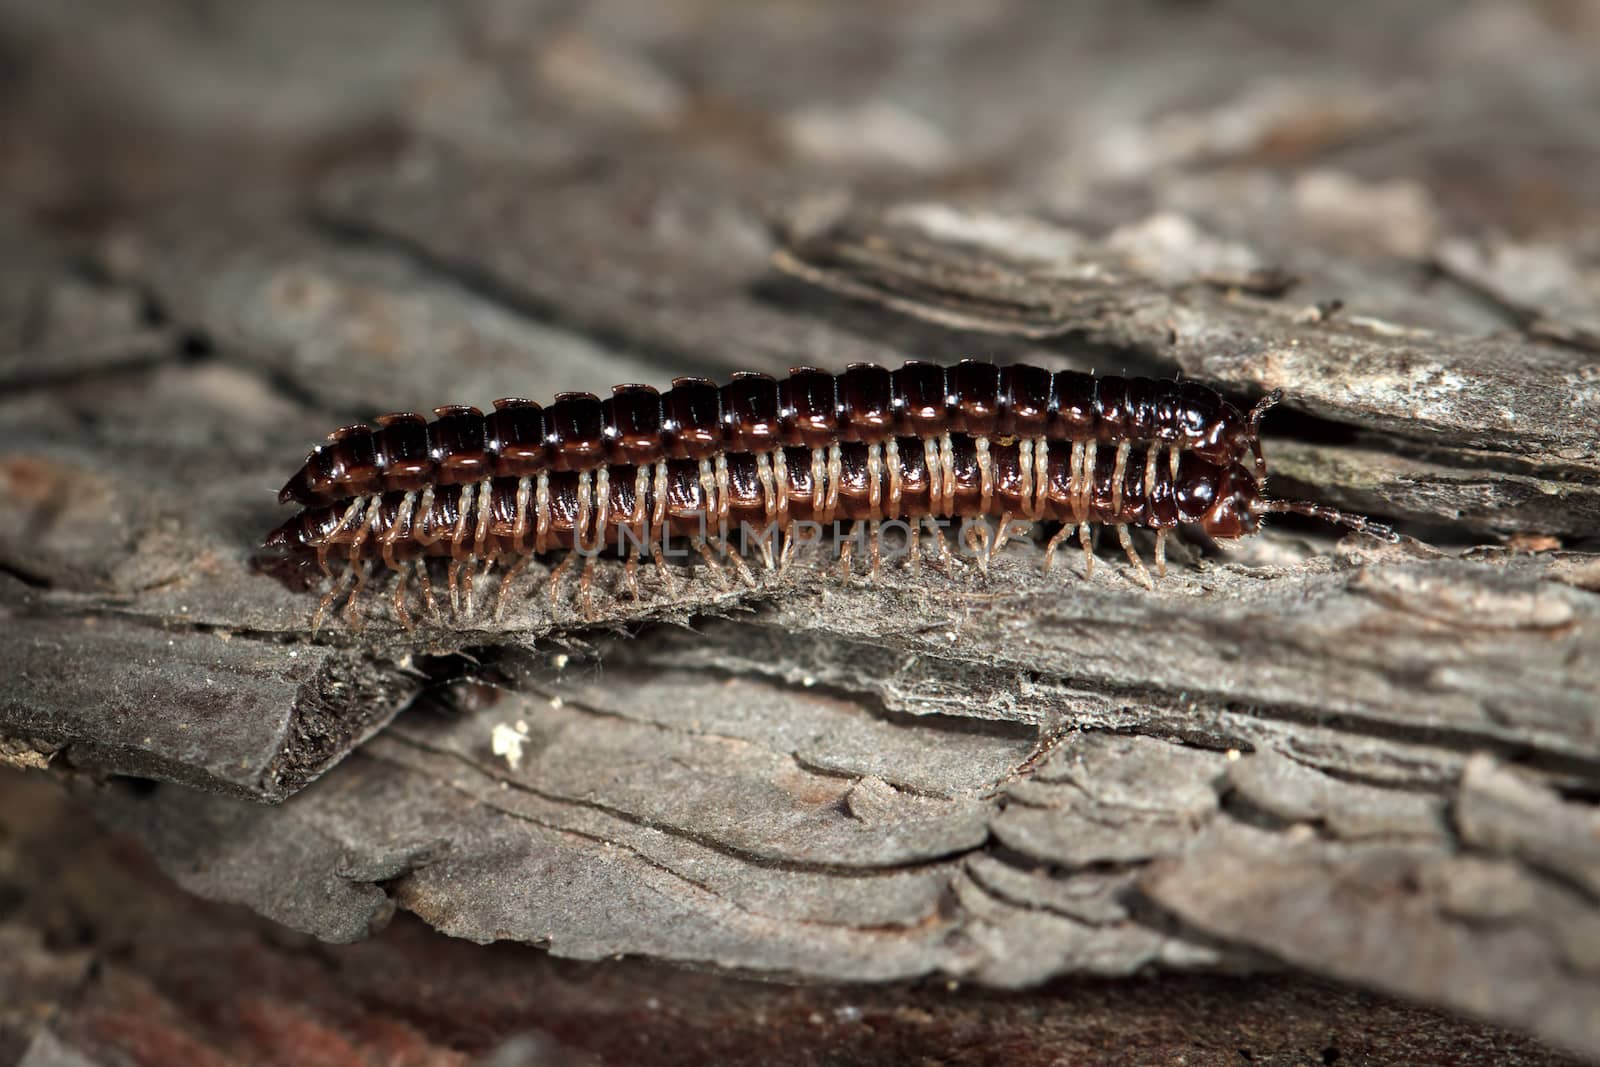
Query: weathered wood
[[1372, 763], [200, 708], [106, 962], [158, 504]]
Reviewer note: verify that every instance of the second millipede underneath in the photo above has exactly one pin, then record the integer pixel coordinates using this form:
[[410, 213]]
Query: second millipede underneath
[[583, 475]]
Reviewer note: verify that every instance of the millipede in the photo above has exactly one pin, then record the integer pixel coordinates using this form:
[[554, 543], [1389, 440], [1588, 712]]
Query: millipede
[[915, 446]]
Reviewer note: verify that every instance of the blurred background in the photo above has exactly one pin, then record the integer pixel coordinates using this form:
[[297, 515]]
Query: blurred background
[[1422, 118], [1438, 159]]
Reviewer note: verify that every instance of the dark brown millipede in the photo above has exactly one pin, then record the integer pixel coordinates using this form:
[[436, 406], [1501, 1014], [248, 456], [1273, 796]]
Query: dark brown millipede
[[696, 419], [767, 459]]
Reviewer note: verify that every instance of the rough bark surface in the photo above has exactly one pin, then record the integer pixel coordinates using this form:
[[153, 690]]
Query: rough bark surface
[[1373, 764], [107, 963]]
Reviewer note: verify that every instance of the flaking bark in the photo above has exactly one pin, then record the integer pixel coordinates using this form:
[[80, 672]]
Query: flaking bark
[[1362, 762]]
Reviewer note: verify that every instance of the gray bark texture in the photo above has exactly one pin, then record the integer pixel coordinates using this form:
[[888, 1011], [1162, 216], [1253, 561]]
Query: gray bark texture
[[235, 227], [106, 963]]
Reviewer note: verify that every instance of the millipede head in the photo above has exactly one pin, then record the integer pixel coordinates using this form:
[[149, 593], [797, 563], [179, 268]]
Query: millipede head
[[1235, 510], [1238, 506]]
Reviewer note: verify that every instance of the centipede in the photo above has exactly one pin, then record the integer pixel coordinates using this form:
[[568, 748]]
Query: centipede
[[917, 447]]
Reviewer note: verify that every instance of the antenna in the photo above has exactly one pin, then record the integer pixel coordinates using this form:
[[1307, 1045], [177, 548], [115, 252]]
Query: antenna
[[1335, 516], [1263, 405]]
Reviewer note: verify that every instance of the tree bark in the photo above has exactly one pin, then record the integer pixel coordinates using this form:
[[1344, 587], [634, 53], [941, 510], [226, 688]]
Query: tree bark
[[1368, 763]]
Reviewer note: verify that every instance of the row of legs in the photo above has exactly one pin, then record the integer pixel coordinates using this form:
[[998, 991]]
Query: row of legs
[[464, 575]]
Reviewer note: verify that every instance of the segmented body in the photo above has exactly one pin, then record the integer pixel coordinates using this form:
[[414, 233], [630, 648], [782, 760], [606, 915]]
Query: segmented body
[[696, 419], [759, 458], [901, 479]]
